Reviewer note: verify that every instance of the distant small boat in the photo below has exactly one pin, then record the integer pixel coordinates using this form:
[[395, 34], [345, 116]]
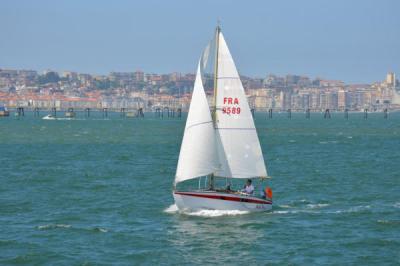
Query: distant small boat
[[131, 114], [4, 111], [70, 113], [49, 117]]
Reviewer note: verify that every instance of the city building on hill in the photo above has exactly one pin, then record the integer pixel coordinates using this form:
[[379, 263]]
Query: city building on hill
[[132, 89]]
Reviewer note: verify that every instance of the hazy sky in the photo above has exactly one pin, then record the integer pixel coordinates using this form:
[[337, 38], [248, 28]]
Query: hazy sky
[[356, 41]]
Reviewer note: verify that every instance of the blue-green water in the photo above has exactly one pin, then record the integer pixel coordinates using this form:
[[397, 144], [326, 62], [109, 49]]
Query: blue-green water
[[99, 192]]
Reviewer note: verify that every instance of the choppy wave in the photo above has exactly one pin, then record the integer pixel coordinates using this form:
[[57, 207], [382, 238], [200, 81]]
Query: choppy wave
[[318, 208], [302, 202], [389, 222], [99, 229], [295, 211], [329, 141], [55, 226], [317, 205], [205, 213], [354, 209], [282, 212], [396, 205]]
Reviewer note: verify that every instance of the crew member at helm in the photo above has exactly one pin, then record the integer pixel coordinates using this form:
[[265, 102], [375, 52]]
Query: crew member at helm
[[248, 187]]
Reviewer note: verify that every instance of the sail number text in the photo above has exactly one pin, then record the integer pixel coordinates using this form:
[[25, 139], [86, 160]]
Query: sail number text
[[228, 108]]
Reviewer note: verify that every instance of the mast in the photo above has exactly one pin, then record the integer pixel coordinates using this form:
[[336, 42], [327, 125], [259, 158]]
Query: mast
[[217, 31], [214, 114]]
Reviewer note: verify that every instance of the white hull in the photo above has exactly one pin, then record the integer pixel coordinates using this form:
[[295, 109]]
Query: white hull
[[212, 200], [49, 117]]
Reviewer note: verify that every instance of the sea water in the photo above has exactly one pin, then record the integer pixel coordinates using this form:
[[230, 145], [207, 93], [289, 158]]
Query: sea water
[[98, 192]]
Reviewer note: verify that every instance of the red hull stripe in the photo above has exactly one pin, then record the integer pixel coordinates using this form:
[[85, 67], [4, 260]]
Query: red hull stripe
[[223, 197]]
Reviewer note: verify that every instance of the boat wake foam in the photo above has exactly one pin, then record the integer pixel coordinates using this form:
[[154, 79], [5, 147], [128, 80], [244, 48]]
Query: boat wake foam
[[205, 213], [172, 209], [215, 213]]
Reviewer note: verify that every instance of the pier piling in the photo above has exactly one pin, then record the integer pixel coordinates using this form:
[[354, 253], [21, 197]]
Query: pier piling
[[385, 113], [308, 113], [165, 109], [327, 114], [20, 111], [36, 112], [270, 113], [289, 111], [365, 113], [346, 113], [158, 112], [140, 112]]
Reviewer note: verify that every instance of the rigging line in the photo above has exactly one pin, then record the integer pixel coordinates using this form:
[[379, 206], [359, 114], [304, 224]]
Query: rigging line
[[228, 78], [197, 124], [233, 128]]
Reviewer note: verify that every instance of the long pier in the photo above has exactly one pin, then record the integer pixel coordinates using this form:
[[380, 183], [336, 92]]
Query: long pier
[[159, 111], [163, 112], [325, 113]]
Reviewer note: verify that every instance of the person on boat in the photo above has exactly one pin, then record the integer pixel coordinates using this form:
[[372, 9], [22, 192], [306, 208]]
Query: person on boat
[[248, 187]]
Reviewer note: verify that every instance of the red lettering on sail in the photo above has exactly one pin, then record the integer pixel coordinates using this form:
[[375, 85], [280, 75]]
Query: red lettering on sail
[[231, 109], [229, 100]]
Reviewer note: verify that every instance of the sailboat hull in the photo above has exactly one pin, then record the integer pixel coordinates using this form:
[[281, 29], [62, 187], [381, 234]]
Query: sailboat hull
[[212, 200]]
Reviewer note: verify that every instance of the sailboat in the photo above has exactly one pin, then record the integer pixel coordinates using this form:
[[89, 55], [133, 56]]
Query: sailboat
[[220, 143]]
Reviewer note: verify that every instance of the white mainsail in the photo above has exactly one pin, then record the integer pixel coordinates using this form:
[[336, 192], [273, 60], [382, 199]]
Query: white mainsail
[[239, 150], [198, 156]]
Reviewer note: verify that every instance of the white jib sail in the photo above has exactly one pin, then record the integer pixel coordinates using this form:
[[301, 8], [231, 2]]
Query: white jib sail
[[239, 149], [198, 156]]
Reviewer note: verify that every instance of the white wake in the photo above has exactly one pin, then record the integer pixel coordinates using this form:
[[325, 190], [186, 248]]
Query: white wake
[[205, 213], [172, 209]]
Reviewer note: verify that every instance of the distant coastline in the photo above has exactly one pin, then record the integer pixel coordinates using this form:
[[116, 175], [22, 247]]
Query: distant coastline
[[149, 91]]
